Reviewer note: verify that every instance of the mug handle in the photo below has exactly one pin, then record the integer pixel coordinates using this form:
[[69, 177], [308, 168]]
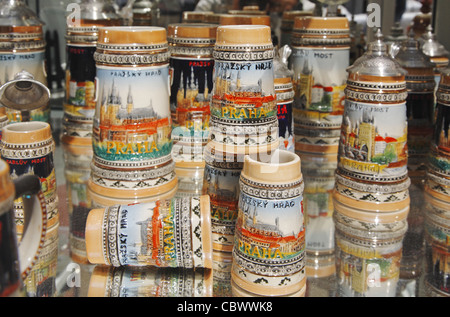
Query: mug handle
[[28, 187]]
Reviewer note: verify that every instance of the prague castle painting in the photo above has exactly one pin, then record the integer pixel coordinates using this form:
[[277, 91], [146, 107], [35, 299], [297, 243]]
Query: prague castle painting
[[132, 125], [246, 94], [191, 88], [263, 236]]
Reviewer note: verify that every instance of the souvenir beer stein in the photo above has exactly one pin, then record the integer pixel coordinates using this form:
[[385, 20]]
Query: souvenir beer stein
[[77, 171], [172, 233], [221, 184], [420, 84], [17, 260], [269, 246], [243, 106], [420, 104], [372, 167], [192, 66], [321, 54], [28, 148], [284, 90], [82, 37], [132, 125], [439, 159], [437, 246]]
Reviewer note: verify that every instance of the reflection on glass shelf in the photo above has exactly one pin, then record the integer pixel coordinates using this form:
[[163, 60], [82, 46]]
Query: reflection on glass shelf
[[423, 274]]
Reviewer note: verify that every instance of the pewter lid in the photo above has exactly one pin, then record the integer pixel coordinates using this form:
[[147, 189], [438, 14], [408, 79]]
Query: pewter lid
[[17, 13], [411, 56], [24, 93], [430, 46], [376, 61]]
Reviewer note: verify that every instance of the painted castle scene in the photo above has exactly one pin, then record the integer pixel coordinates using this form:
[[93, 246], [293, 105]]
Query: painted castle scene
[[246, 94], [190, 96], [261, 235], [223, 188], [373, 141], [316, 90], [132, 125]]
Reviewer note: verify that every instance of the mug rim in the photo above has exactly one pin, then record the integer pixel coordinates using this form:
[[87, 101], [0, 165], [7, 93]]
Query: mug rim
[[26, 132], [40, 125], [295, 158]]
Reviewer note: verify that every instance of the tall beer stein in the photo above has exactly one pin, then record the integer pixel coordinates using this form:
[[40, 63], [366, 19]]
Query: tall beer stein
[[17, 260], [132, 125], [420, 104], [192, 64], [373, 155], [243, 106], [81, 40], [420, 84], [321, 54], [28, 148]]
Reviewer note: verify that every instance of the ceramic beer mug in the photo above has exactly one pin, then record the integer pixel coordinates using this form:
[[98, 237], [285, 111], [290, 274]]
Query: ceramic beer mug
[[269, 246], [81, 40], [192, 66], [420, 84], [439, 159], [243, 106], [321, 54], [27, 252], [132, 125], [373, 154], [284, 90], [171, 233], [28, 148]]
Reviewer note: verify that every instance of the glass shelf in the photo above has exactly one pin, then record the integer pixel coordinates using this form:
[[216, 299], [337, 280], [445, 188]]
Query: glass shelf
[[65, 276]]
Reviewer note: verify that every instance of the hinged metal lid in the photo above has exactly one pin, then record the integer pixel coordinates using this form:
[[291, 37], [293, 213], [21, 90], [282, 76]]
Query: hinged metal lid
[[377, 61], [24, 93], [16, 13]]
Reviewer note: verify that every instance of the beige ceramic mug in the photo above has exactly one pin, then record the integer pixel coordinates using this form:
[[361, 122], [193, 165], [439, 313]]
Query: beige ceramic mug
[[28, 148]]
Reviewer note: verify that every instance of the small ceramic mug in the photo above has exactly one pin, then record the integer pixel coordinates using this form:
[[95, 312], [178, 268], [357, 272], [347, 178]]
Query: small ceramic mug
[[26, 253], [269, 247], [171, 233], [28, 148]]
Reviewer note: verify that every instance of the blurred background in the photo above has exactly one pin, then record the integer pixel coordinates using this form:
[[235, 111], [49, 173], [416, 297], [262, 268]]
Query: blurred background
[[402, 13]]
